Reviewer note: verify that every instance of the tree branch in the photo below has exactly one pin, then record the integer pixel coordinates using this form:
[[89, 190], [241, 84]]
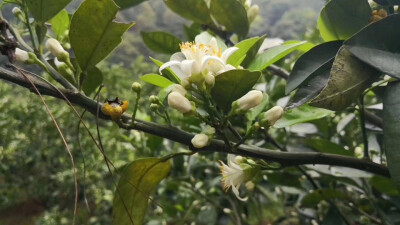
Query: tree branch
[[174, 134]]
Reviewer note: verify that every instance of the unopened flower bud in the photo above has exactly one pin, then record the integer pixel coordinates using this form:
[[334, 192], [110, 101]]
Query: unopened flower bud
[[250, 100], [17, 11], [186, 83], [54, 47], [253, 13], [200, 141], [179, 102], [136, 87], [153, 107], [250, 185], [358, 152], [64, 70], [154, 99], [271, 116], [21, 55], [210, 80], [179, 88]]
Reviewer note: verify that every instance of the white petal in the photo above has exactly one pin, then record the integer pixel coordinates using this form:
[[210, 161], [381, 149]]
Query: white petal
[[168, 64], [178, 56], [228, 52], [208, 58], [203, 38], [236, 192], [213, 43], [186, 66]]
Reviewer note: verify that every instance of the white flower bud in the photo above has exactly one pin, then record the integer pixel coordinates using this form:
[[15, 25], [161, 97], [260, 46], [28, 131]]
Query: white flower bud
[[250, 185], [136, 87], [55, 47], [179, 102], [21, 55], [251, 99], [253, 13], [210, 80], [179, 88], [16, 11], [200, 140], [272, 115]]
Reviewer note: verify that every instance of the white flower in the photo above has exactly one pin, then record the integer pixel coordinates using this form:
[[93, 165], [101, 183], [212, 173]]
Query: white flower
[[251, 99], [179, 102], [21, 55], [200, 140], [55, 47], [233, 174], [198, 58], [272, 115]]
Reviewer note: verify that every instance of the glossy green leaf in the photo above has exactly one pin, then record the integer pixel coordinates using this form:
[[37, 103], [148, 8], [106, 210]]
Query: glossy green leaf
[[384, 185], [192, 31], [383, 50], [391, 132], [285, 179], [137, 181], [231, 85], [123, 4], [44, 10], [60, 23], [326, 146], [195, 10], [301, 114], [272, 55], [161, 42], [312, 86], [349, 78], [243, 49], [93, 33], [315, 197], [231, 14], [93, 79], [157, 80], [333, 217], [167, 72], [340, 19], [309, 63]]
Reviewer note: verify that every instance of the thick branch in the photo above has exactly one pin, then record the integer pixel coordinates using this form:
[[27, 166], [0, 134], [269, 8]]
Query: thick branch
[[174, 134]]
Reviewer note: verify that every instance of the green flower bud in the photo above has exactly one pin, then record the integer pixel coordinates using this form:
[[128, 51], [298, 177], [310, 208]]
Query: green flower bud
[[136, 87], [154, 99], [154, 107]]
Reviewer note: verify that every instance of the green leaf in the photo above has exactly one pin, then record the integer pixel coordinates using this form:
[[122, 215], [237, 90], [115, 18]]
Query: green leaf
[[231, 85], [156, 80], [310, 62], [333, 217], [167, 72], [326, 146], [123, 4], [93, 79], [93, 34], [137, 181], [384, 185], [192, 31], [383, 50], [285, 179], [60, 23], [315, 197], [231, 14], [349, 78], [44, 10], [243, 49], [340, 19], [161, 42], [195, 10], [301, 114], [312, 86], [272, 55], [391, 131]]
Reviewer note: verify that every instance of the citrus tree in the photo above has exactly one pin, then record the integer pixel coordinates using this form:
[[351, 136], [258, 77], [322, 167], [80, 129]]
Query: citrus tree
[[297, 131]]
